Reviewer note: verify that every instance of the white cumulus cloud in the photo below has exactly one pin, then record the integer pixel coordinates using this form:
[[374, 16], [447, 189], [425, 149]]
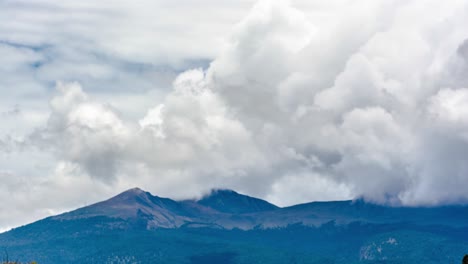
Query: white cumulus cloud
[[303, 101]]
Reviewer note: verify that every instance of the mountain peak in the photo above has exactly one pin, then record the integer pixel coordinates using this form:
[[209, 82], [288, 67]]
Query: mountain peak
[[135, 190], [135, 206], [229, 201], [130, 194]]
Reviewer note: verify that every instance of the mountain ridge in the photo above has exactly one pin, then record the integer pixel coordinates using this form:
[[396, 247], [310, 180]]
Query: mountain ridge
[[227, 227], [228, 209]]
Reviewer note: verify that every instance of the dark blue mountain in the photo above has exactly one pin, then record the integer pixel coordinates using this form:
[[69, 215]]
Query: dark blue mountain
[[226, 227]]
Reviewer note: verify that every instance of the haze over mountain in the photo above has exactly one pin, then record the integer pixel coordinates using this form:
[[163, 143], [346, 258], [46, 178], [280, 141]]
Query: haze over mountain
[[225, 226]]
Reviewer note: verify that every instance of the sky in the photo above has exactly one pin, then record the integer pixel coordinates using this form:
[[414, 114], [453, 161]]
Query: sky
[[290, 101]]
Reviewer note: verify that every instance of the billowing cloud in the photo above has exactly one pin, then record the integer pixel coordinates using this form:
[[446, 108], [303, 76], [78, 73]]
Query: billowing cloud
[[83, 131], [191, 133], [328, 101]]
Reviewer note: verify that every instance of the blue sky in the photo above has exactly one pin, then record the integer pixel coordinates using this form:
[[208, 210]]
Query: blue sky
[[291, 101]]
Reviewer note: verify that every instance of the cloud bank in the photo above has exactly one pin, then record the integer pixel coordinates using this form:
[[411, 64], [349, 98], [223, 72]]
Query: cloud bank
[[386, 122], [350, 100]]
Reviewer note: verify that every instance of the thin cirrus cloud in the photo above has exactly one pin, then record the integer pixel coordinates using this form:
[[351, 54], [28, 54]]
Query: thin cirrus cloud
[[302, 101]]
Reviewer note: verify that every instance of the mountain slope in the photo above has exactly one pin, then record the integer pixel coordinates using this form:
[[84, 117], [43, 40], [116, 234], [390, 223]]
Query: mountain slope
[[227, 209], [138, 206], [135, 207]]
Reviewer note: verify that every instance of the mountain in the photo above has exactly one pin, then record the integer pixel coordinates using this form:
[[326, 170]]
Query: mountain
[[227, 227], [138, 207], [228, 209]]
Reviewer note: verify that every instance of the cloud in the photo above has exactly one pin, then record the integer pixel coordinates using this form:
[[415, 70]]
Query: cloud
[[121, 29], [263, 117], [191, 133], [83, 131], [354, 115], [303, 101], [34, 196], [307, 186], [449, 106]]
